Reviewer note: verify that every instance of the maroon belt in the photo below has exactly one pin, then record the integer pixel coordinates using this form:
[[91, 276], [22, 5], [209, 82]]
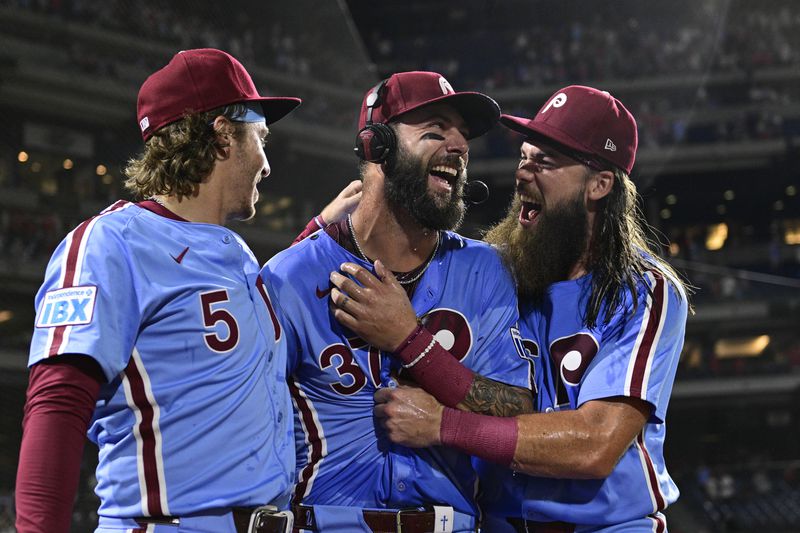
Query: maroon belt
[[529, 526], [413, 521], [264, 522]]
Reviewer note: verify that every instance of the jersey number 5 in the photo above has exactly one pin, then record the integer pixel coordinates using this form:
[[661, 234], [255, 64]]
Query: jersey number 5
[[210, 318]]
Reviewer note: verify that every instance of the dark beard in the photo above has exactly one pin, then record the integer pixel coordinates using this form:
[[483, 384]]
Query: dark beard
[[545, 254], [407, 188]]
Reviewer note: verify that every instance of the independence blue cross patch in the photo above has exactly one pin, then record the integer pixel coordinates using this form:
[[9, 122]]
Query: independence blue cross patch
[[71, 306]]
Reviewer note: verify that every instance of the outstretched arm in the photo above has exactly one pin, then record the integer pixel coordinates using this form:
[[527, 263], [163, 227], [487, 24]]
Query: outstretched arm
[[585, 443], [379, 311]]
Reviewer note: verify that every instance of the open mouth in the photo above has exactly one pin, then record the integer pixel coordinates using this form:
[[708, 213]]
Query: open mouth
[[444, 176], [530, 210]]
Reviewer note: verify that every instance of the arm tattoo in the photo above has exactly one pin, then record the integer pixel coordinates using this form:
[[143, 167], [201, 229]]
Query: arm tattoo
[[489, 397]]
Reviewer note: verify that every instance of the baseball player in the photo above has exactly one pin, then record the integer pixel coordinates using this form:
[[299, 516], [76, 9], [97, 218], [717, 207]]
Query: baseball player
[[602, 317], [413, 145], [147, 331]]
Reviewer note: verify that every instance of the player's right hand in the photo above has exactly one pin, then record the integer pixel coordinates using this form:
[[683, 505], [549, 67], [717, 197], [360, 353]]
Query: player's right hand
[[377, 309], [410, 416]]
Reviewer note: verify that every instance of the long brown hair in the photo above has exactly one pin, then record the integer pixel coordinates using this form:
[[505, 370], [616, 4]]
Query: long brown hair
[[622, 251], [179, 156]]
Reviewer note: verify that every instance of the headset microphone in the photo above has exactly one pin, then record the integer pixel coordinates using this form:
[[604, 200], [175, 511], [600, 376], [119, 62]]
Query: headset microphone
[[475, 192]]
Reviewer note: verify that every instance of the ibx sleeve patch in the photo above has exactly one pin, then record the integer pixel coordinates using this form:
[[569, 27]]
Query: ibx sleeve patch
[[70, 306]]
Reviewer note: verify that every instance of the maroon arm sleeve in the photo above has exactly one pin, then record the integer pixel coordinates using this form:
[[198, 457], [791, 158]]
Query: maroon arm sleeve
[[58, 408], [313, 225]]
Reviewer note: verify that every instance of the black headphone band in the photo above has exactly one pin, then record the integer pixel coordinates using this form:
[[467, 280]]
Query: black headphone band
[[374, 100]]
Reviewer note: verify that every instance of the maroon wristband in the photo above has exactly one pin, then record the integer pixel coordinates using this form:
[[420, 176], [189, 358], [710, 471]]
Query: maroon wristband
[[435, 369], [411, 336], [488, 437]]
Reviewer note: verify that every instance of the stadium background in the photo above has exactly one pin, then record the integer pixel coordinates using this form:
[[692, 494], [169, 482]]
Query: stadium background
[[714, 84]]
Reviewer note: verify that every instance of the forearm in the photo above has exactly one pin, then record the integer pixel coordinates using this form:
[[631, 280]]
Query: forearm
[[585, 443], [427, 362], [560, 446], [58, 409], [490, 397]]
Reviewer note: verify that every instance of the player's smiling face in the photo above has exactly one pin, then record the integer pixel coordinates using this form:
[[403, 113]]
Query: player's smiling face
[[437, 135], [546, 178], [427, 172], [250, 167]]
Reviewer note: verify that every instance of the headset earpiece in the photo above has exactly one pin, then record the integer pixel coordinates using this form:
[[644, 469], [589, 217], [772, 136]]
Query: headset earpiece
[[375, 142]]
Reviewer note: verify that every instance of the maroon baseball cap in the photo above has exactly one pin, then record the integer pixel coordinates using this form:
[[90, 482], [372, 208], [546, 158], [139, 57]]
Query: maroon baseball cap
[[198, 81], [586, 120], [407, 91]]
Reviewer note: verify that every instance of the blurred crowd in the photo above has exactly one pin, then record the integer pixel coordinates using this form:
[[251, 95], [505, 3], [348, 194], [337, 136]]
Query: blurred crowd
[[610, 41], [732, 40], [256, 39], [758, 495]]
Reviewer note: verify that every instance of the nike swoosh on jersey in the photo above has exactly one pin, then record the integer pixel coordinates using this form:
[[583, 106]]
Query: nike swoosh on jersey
[[323, 294], [180, 256]]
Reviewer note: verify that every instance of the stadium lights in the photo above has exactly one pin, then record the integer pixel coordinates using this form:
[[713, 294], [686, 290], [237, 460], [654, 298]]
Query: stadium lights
[[22, 157], [671, 199], [101, 170], [6, 315], [792, 233], [68, 164], [741, 347], [729, 195], [791, 190], [717, 234]]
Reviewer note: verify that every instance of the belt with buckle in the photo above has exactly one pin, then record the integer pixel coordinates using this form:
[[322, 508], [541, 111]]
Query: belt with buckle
[[402, 521], [529, 526], [264, 519]]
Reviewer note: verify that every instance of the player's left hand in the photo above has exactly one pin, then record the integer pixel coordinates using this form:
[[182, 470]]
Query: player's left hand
[[410, 416], [376, 308]]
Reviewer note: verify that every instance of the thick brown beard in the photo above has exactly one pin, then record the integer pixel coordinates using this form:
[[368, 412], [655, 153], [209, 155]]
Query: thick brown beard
[[407, 188], [546, 253]]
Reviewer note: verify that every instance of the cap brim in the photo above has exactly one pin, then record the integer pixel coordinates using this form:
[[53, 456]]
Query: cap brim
[[480, 112], [277, 107], [541, 131]]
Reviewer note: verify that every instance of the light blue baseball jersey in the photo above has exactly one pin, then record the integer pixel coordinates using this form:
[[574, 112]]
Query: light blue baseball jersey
[[196, 413], [634, 355], [467, 300]]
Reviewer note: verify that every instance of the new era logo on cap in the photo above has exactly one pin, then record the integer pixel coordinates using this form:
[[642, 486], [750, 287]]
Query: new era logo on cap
[[586, 120], [144, 123]]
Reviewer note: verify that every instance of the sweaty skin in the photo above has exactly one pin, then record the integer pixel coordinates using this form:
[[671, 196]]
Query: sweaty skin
[[579, 444], [378, 310]]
